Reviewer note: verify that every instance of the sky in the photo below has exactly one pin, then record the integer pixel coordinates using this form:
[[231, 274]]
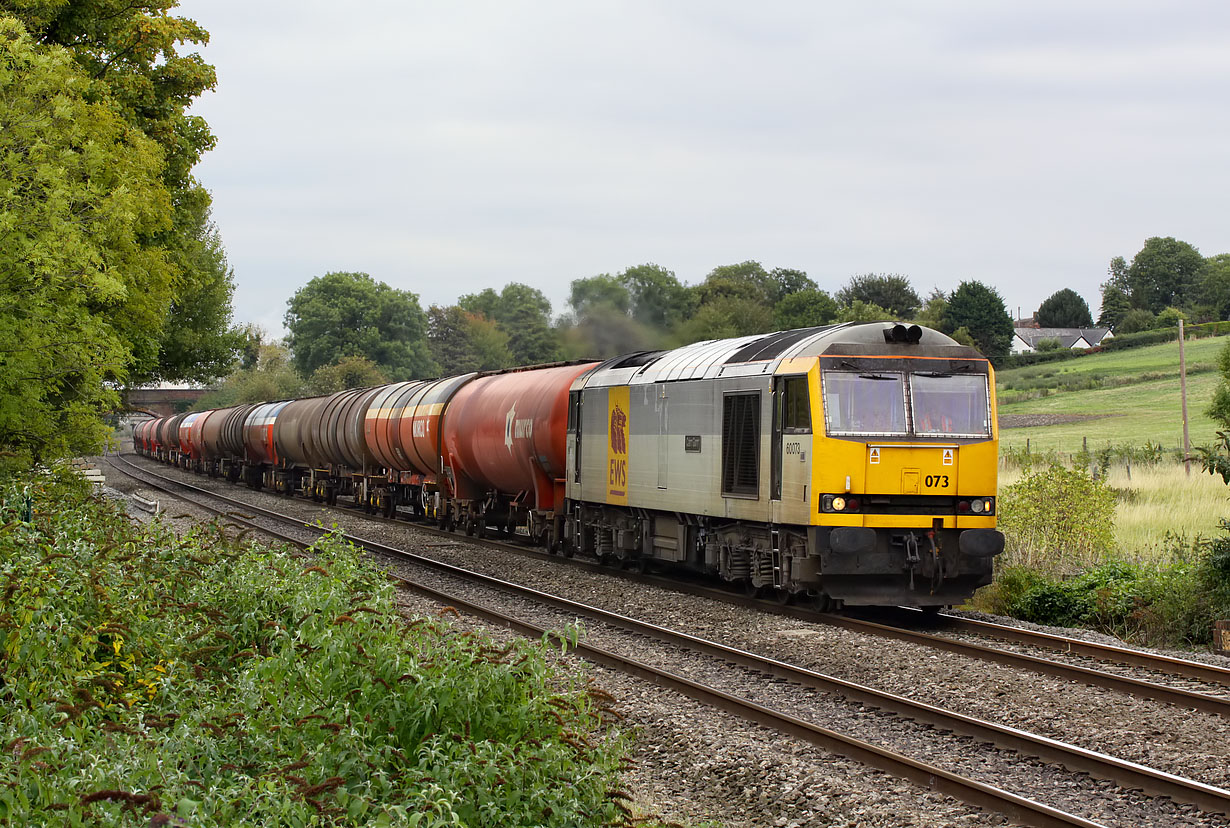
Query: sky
[[446, 147]]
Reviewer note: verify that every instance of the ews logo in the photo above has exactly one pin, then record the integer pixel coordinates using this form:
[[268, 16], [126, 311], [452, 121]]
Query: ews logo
[[617, 446]]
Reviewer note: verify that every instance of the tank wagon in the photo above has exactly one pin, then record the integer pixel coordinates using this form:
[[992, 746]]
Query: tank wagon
[[852, 464]]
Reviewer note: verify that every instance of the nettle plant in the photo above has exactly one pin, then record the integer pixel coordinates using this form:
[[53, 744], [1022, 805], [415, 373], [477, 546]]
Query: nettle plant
[[149, 678]]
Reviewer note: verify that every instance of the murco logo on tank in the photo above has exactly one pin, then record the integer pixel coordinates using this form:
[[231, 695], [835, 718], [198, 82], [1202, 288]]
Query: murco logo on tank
[[515, 429]]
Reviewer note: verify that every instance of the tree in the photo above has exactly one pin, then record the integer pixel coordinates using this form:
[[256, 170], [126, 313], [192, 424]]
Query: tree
[[803, 309], [789, 281], [599, 291], [1064, 309], [198, 344], [933, 309], [890, 291], [727, 316], [347, 372], [1163, 273], [860, 311], [1115, 305], [462, 342], [81, 296], [351, 314], [746, 280], [1169, 318], [129, 51], [1213, 284], [980, 310], [658, 299], [1135, 321], [271, 378], [524, 314]]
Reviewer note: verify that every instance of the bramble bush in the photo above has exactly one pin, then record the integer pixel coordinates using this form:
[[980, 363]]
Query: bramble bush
[[148, 678]]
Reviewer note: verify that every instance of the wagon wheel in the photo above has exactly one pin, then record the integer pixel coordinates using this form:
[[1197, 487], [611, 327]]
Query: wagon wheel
[[783, 596], [470, 527]]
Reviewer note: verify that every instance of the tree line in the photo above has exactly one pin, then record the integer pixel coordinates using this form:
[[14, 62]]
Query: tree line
[[111, 271], [347, 329], [1167, 280]]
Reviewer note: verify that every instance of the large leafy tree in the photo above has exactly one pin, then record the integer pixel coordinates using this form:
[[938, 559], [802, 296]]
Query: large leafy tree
[[979, 309], [804, 309], [658, 299], [461, 341], [1064, 309], [523, 313], [129, 51], [596, 292], [269, 377], [351, 314], [1163, 274], [890, 291], [1213, 285], [82, 296]]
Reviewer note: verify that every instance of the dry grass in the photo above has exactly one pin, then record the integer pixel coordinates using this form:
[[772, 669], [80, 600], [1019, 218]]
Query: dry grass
[[1160, 508]]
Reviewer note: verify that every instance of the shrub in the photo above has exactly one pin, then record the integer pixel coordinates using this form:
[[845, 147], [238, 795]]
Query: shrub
[[223, 683], [1057, 520]]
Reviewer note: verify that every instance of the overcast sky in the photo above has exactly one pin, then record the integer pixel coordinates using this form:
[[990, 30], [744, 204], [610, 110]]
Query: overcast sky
[[446, 147]]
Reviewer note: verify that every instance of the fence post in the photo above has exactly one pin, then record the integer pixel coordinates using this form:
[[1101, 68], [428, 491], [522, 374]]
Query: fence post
[[1187, 443]]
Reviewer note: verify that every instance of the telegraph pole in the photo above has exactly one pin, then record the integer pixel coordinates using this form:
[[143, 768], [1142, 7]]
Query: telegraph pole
[[1187, 445]]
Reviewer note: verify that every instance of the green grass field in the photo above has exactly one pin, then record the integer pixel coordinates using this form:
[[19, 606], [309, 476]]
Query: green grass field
[[1134, 394]]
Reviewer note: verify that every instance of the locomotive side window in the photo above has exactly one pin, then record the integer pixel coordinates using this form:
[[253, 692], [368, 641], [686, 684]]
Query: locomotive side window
[[741, 444], [796, 405], [950, 404], [871, 403]]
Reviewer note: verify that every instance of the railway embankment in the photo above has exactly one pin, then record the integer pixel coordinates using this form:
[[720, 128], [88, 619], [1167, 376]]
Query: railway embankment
[[156, 677]]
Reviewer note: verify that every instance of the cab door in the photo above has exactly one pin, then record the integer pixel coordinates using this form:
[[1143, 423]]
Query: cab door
[[790, 447]]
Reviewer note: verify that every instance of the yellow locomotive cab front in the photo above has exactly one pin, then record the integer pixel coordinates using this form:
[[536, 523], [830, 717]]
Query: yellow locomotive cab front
[[905, 472]]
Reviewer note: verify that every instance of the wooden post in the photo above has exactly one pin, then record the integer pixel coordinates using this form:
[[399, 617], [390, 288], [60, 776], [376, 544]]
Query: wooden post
[[1187, 443]]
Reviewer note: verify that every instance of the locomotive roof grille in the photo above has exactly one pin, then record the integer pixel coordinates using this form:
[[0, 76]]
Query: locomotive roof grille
[[773, 345]]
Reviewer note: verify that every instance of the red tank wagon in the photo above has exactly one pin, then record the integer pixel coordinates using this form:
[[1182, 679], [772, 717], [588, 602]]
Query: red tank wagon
[[505, 447]]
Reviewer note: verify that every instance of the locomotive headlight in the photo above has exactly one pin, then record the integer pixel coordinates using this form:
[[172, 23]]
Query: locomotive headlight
[[839, 503], [977, 506]]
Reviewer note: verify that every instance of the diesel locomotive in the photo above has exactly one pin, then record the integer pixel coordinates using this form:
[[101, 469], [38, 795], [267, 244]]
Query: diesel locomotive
[[851, 464]]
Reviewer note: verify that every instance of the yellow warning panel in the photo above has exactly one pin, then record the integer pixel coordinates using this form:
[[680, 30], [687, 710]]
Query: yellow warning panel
[[618, 437], [917, 469]]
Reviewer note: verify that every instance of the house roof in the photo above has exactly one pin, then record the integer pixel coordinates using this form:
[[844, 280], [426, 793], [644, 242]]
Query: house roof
[[1066, 336]]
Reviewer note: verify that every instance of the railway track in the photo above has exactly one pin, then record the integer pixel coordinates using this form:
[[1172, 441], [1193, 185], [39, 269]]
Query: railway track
[[1138, 673], [1126, 775]]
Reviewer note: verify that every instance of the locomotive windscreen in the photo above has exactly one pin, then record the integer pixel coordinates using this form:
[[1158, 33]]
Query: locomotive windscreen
[[950, 404], [868, 403], [876, 403]]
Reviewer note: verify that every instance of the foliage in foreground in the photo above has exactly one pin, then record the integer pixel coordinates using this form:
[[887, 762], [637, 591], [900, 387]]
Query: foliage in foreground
[[1157, 603], [1060, 566], [1057, 519], [195, 678]]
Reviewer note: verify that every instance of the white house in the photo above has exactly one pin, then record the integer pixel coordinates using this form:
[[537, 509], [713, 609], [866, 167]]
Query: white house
[[1025, 340]]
